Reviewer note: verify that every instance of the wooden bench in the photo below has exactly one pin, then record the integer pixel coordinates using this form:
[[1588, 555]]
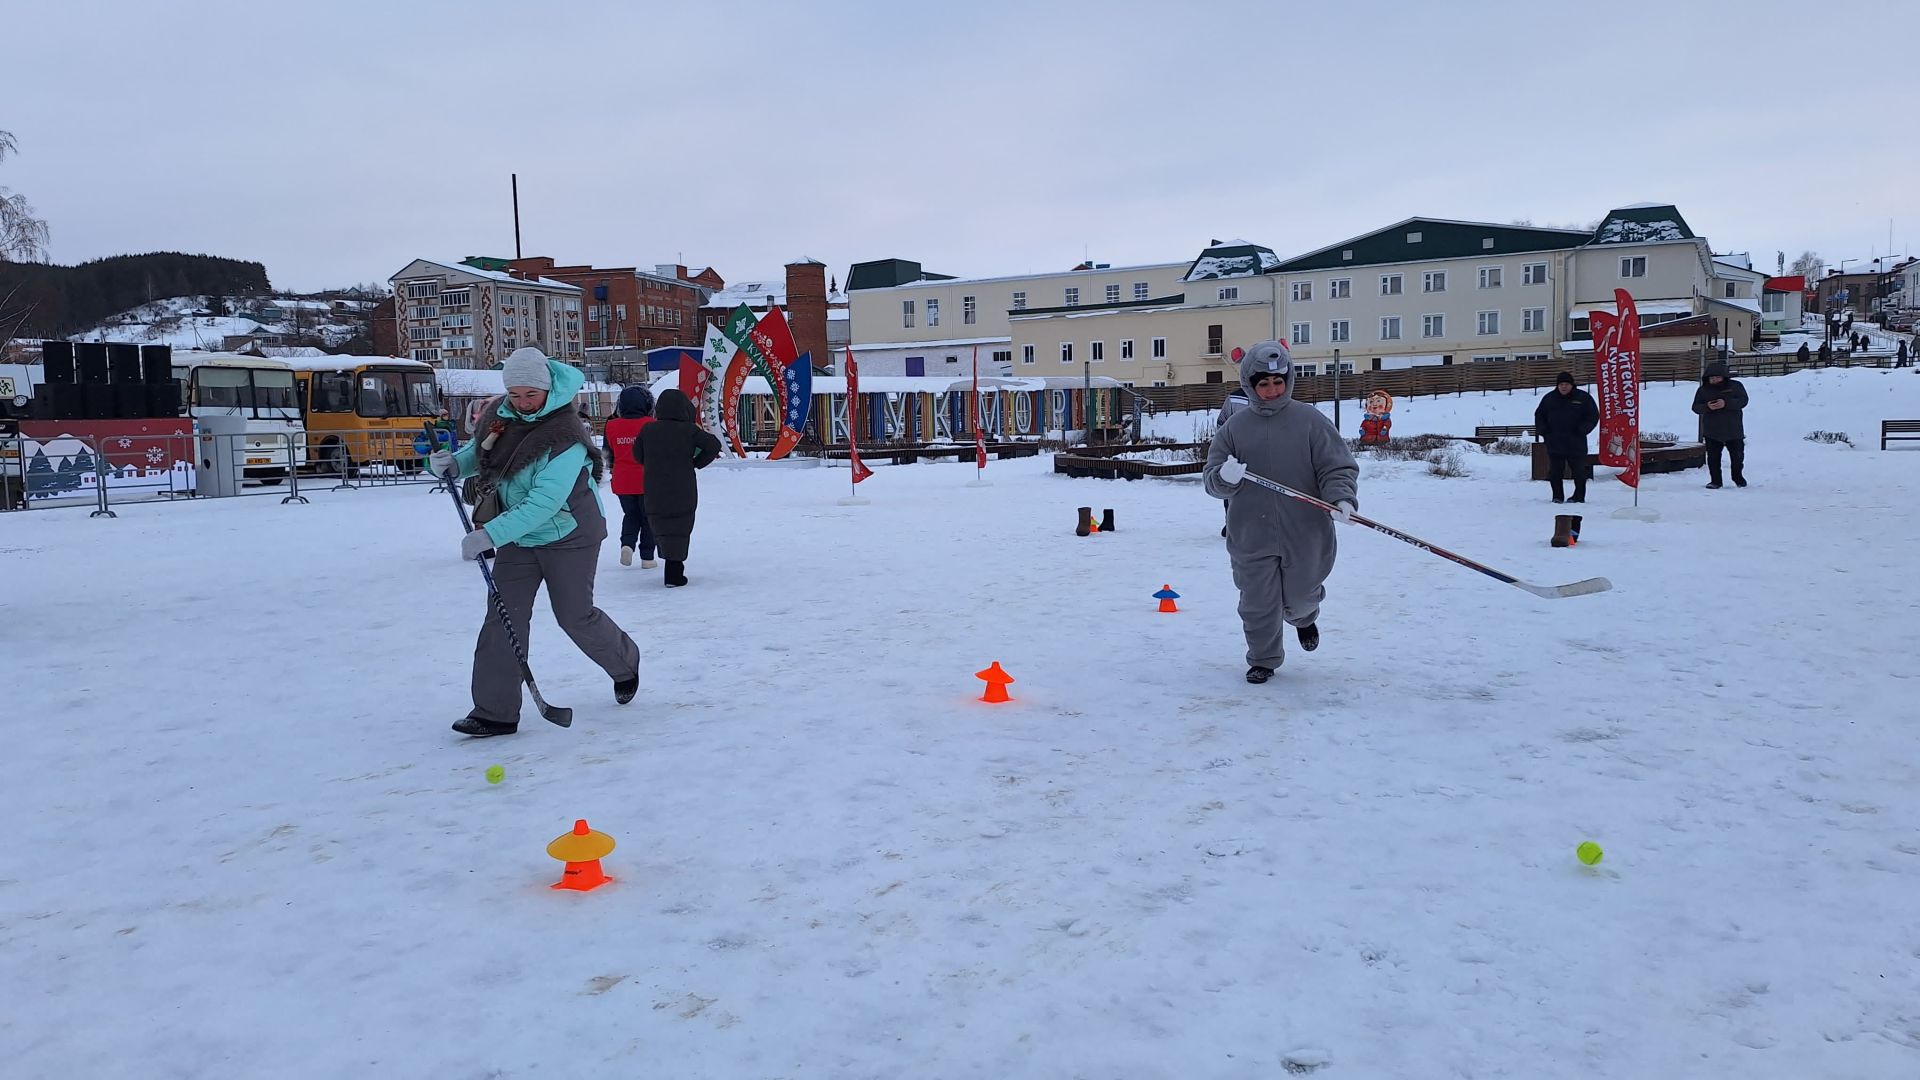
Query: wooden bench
[[1898, 431], [1655, 457], [1491, 432], [1113, 468]]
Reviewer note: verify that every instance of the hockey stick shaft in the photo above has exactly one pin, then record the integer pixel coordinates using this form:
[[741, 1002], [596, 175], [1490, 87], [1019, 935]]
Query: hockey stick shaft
[[1578, 588], [552, 713]]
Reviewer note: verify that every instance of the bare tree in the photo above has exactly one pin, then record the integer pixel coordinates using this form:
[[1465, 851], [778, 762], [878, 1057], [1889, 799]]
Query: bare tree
[[1809, 264], [23, 237]]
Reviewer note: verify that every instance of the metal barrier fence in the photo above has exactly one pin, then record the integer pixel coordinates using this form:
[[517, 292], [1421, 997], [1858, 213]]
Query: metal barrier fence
[[101, 471]]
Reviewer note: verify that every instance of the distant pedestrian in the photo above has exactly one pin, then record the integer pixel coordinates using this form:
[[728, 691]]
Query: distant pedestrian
[[1721, 403], [673, 448], [1563, 420], [1901, 356], [1804, 356], [1826, 354], [634, 412]]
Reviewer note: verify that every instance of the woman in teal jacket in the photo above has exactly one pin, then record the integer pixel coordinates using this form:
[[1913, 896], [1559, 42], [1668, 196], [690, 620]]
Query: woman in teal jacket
[[534, 478]]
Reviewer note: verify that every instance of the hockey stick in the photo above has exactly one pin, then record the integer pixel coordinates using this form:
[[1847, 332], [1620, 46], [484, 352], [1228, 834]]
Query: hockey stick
[[1549, 592], [554, 714]]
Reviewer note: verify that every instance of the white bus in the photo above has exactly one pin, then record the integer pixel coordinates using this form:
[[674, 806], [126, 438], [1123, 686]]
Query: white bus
[[261, 390]]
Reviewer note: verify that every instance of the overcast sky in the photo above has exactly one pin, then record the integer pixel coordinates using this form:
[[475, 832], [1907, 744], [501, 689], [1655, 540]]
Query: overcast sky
[[335, 142]]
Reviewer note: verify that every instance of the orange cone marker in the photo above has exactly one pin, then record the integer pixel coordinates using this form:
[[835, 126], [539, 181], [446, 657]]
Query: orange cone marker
[[997, 681], [582, 849], [1167, 596]]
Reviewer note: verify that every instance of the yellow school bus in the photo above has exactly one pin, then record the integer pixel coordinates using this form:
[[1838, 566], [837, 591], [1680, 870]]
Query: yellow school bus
[[363, 412]]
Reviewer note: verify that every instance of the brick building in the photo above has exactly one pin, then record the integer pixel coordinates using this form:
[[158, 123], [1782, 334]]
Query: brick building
[[627, 306]]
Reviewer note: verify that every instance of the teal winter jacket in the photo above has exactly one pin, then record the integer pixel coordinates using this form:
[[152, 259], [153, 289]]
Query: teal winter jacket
[[534, 500]]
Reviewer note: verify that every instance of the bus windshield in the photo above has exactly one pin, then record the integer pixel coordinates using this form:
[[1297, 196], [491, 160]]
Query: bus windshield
[[395, 393], [274, 390]]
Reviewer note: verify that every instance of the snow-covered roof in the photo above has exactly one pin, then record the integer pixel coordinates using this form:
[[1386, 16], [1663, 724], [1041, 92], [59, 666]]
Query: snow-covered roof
[[939, 282], [1736, 302], [1232, 259], [838, 314], [287, 351], [750, 293], [946, 344], [495, 275]]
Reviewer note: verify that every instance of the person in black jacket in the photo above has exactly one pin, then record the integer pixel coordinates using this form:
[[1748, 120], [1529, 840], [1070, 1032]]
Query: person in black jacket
[[672, 448], [1804, 356], [1564, 419], [1720, 402]]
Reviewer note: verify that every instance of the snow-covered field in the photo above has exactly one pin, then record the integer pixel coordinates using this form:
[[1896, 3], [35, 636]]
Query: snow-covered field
[[242, 843]]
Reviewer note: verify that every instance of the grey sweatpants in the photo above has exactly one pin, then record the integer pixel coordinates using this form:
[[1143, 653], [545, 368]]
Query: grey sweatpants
[[1268, 605], [567, 569]]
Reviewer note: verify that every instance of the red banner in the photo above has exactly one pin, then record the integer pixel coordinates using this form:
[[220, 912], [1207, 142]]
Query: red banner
[[693, 383], [774, 338], [860, 470], [1616, 359], [737, 371], [979, 433]]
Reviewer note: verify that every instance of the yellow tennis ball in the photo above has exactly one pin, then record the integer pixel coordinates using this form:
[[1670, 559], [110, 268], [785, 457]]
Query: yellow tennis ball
[[496, 773], [1589, 852]]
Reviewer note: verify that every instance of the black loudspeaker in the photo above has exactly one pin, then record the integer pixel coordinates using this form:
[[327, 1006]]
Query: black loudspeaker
[[65, 401], [99, 401], [156, 363], [124, 361], [58, 358], [163, 398], [130, 401], [91, 358]]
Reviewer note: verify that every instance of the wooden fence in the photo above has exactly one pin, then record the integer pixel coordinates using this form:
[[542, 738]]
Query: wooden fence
[[1491, 378]]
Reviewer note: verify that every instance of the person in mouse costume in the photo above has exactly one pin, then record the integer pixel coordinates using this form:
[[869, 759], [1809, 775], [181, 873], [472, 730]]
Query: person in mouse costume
[[1282, 549], [534, 489]]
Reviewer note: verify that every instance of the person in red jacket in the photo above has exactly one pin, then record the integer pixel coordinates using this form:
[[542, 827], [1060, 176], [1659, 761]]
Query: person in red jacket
[[634, 412]]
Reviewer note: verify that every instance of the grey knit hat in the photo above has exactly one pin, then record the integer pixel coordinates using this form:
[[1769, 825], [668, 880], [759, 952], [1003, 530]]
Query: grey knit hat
[[527, 367]]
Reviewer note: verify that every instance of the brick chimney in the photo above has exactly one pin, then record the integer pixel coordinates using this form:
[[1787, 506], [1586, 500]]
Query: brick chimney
[[530, 268], [807, 308]]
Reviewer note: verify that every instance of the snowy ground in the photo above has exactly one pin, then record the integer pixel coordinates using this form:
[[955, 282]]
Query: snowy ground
[[241, 842]]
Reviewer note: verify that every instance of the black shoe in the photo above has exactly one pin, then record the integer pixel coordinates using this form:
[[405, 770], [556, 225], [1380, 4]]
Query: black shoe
[[1578, 499], [624, 689], [483, 729], [1309, 636], [676, 573], [1714, 486], [1737, 482], [1557, 500], [1258, 674]]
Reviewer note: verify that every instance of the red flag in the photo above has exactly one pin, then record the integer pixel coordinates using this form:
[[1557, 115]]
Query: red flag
[[979, 433], [693, 378], [1616, 359], [774, 338], [860, 470]]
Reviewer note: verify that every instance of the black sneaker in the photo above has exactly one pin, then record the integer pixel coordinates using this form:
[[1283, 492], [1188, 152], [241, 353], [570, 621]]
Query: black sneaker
[[624, 689], [1739, 483], [1258, 674], [1714, 486], [483, 729], [1309, 636]]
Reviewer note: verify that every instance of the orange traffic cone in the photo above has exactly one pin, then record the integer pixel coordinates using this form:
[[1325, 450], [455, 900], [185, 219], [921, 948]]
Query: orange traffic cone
[[1167, 596], [997, 680], [582, 849]]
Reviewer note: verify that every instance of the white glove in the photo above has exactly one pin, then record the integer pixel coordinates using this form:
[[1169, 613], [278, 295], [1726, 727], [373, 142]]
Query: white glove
[[475, 544], [1232, 470], [440, 463], [1343, 512]]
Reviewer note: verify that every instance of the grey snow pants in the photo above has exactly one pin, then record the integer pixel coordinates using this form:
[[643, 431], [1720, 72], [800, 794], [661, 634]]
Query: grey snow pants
[[567, 569], [1269, 604]]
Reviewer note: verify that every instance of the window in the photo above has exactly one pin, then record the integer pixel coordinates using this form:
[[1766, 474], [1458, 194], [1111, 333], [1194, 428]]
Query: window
[[1126, 349], [1302, 334], [1486, 244], [953, 359], [906, 313], [1775, 302], [1433, 281], [1579, 328], [1301, 291], [457, 298], [454, 322], [1489, 359], [1073, 297], [1730, 293], [423, 333], [1231, 292], [1526, 357], [1492, 277], [1113, 294], [427, 356], [1213, 377], [1347, 255], [1306, 369], [1413, 238], [1066, 352], [620, 312], [1533, 320], [1340, 288], [1026, 354], [456, 343], [423, 311], [1097, 352], [1019, 301], [1003, 356], [1215, 338], [1533, 274], [933, 312], [1433, 326], [333, 390], [1390, 284], [1488, 322], [969, 310], [1139, 290], [1159, 348], [1390, 328], [1633, 266], [420, 290], [1339, 330]]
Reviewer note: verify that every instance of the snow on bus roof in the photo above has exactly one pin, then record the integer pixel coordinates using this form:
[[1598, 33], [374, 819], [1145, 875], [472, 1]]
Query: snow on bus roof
[[348, 363]]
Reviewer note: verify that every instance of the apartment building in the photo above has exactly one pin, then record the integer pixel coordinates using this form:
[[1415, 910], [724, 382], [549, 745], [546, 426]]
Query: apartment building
[[625, 305], [462, 315]]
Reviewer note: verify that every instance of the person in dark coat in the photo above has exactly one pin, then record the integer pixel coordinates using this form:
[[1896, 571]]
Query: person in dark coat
[[635, 411], [1826, 354], [1720, 403], [1901, 356], [673, 448], [1804, 356], [1563, 420]]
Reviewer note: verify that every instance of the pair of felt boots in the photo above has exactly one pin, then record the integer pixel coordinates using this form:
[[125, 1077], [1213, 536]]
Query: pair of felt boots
[[1566, 530], [1088, 525]]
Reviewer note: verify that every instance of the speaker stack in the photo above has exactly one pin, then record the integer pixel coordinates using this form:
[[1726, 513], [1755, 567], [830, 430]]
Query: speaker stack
[[162, 389], [60, 398]]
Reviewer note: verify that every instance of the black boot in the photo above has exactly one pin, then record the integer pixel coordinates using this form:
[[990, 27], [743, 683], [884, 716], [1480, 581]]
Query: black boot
[[1562, 531], [1309, 636], [1106, 521], [483, 729], [1258, 674], [676, 573], [624, 689]]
